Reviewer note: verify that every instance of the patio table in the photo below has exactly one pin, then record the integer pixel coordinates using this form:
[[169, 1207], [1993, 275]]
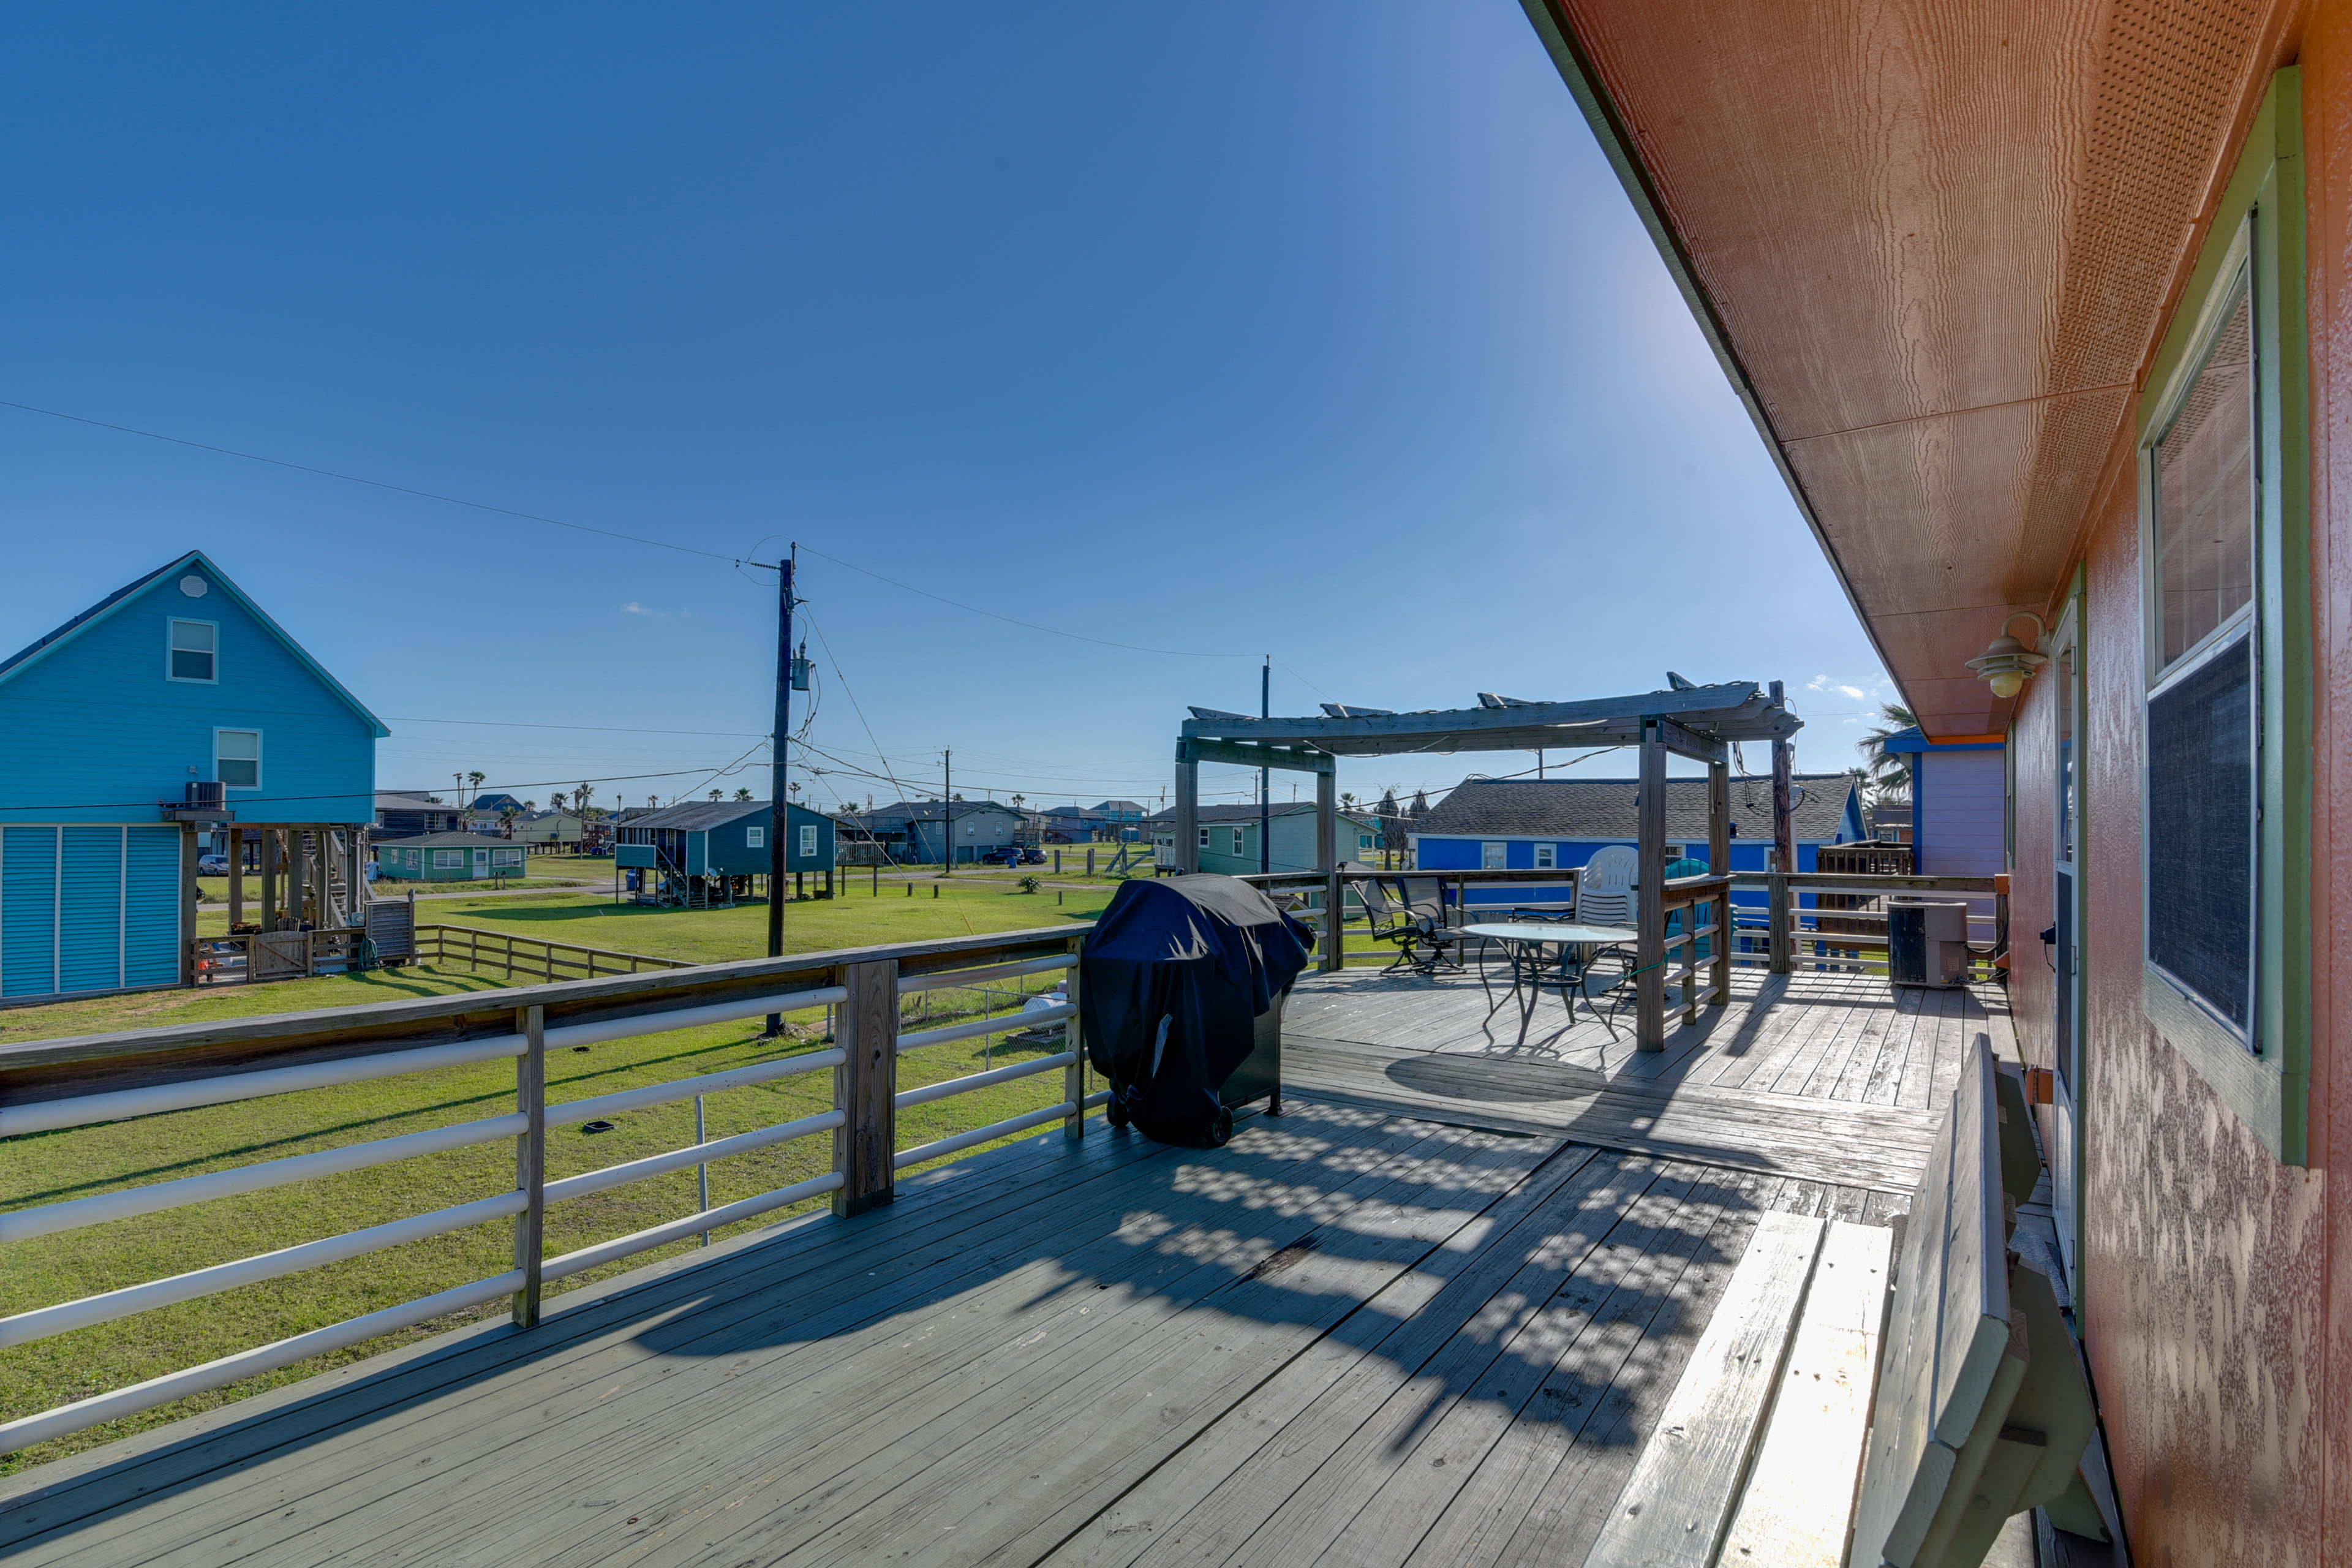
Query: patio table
[[1527, 941]]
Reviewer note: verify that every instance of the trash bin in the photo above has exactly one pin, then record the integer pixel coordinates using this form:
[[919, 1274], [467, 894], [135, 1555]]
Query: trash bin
[[1927, 944], [1181, 984]]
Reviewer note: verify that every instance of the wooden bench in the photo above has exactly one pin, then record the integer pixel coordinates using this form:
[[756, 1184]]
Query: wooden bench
[[1821, 1421]]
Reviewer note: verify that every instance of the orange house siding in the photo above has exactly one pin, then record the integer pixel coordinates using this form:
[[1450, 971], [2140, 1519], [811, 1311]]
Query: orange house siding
[[2212, 1295]]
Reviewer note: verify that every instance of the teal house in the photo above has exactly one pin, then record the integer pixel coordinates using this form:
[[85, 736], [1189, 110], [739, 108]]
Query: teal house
[[447, 858], [171, 707], [729, 838]]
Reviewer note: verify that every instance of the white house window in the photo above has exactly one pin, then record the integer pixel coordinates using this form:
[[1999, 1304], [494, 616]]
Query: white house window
[[237, 758], [1237, 840], [808, 842], [506, 857], [755, 837], [1491, 857], [446, 860], [1204, 839], [195, 650], [1547, 857]]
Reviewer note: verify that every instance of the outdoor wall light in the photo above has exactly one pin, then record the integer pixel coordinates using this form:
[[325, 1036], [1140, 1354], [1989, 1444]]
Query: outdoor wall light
[[2007, 663]]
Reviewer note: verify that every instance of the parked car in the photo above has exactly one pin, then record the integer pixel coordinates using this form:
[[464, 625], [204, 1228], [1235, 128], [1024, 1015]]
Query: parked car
[[211, 865], [1003, 855], [1032, 857]]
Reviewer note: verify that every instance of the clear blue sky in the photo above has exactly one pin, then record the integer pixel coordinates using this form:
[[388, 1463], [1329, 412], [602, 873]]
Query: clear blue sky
[[1316, 330]]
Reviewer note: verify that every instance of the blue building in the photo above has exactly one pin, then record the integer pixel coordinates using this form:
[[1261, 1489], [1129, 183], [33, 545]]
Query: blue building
[[120, 722], [1540, 823], [707, 852]]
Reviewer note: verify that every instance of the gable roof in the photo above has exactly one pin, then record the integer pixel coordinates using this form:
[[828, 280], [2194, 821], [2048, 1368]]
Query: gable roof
[[931, 810], [444, 841], [41, 647], [1605, 808], [1207, 814]]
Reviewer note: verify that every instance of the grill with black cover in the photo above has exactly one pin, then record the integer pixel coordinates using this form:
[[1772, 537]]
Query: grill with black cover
[[1182, 982]]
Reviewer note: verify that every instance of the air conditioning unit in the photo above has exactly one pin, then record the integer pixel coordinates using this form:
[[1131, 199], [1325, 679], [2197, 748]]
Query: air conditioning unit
[[1927, 944]]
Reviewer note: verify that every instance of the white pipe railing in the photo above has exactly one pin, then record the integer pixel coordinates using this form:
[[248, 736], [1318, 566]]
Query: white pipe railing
[[526, 1200]]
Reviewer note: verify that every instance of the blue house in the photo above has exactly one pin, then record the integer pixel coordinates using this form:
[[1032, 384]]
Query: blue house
[[120, 724], [1540, 824], [712, 849]]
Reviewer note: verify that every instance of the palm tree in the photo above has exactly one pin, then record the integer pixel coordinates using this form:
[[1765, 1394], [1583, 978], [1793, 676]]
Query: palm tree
[[743, 794], [1888, 775], [719, 794], [476, 778], [555, 801]]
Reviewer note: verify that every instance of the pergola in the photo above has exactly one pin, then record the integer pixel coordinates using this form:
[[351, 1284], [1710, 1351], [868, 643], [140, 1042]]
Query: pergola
[[1688, 720]]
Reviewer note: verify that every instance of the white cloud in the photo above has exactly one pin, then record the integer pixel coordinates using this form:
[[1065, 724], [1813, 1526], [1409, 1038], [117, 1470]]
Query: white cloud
[[634, 608]]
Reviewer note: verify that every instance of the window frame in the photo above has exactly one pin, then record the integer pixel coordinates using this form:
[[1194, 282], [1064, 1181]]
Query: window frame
[[2256, 242], [808, 840], [755, 838], [1547, 857], [171, 625], [1494, 855], [260, 755]]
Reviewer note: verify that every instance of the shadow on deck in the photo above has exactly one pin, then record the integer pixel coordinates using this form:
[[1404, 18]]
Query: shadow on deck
[[1410, 1321]]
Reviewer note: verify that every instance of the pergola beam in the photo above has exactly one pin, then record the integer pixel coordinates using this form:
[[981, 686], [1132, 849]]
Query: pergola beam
[[1255, 756]]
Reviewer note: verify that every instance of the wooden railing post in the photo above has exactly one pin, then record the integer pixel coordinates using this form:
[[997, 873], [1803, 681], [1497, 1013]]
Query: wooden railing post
[[1780, 935], [864, 1086], [531, 1161], [1074, 1077], [1650, 895]]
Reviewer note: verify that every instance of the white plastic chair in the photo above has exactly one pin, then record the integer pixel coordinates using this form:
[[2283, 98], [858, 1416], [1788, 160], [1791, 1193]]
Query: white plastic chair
[[1604, 889]]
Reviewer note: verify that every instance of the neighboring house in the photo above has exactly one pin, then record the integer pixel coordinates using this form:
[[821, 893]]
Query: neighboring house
[[1066, 824], [916, 832], [446, 857], [549, 829], [405, 814], [491, 806], [1124, 817], [1959, 803], [1542, 823], [1228, 838], [729, 838], [174, 680]]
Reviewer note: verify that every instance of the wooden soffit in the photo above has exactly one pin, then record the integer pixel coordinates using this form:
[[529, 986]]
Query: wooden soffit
[[1934, 247]]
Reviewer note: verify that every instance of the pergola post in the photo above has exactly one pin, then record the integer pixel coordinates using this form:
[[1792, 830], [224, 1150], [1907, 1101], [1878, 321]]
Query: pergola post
[[1783, 916], [1719, 863], [1188, 810], [1649, 892], [1327, 861]]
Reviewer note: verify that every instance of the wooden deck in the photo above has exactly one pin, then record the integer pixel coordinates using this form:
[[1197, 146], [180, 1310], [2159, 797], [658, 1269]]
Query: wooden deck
[[1425, 1317]]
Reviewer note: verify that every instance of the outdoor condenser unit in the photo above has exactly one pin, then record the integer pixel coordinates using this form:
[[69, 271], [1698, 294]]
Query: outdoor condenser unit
[[1927, 944]]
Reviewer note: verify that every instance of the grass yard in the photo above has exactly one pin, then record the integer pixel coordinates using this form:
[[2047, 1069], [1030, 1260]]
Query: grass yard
[[47, 1167]]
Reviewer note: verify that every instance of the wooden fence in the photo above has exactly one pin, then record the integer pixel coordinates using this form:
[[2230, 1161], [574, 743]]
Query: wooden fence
[[53, 1085], [290, 955]]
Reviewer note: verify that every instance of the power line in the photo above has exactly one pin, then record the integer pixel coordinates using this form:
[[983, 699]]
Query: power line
[[377, 484], [1008, 620], [600, 728]]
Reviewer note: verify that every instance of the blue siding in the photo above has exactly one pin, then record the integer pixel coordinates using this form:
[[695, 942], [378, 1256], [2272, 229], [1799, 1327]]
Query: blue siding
[[92, 925], [152, 947], [97, 733], [28, 910]]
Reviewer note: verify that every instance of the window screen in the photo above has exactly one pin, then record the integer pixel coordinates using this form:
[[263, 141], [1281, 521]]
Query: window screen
[[191, 650], [755, 838], [2200, 832], [1490, 857], [808, 842], [2205, 493]]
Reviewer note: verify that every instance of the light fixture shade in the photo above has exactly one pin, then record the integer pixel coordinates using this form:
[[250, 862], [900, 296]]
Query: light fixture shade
[[2007, 663]]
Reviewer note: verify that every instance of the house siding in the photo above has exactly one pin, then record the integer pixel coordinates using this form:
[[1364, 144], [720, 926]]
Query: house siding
[[1962, 811], [97, 733]]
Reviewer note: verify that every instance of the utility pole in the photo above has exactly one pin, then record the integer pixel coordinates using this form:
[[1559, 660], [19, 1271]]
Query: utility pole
[[1265, 775], [778, 815], [947, 808]]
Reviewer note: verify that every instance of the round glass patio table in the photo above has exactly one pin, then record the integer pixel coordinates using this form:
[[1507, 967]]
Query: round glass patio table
[[1527, 941]]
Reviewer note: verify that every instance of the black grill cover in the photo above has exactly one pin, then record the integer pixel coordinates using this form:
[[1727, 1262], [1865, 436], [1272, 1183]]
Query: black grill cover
[[1171, 981]]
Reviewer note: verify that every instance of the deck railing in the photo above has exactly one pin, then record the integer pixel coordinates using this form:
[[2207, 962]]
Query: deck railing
[[52, 1085], [245, 958], [1844, 927]]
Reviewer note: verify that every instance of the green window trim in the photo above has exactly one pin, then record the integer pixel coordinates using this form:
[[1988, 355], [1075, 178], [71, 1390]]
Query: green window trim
[[2258, 232]]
